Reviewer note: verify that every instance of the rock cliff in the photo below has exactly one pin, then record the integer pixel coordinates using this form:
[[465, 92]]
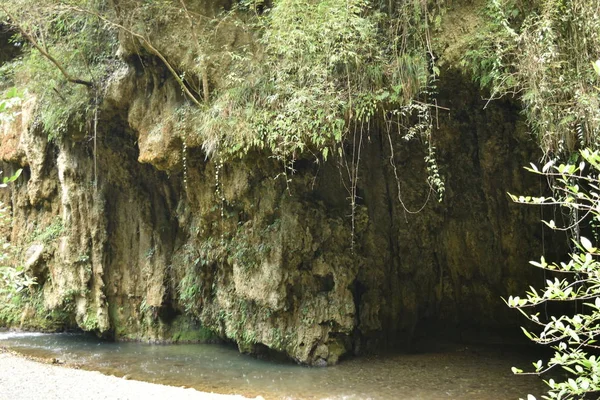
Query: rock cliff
[[134, 232]]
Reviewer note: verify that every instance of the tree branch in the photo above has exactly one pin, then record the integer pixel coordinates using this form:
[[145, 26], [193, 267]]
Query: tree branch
[[149, 45], [39, 48]]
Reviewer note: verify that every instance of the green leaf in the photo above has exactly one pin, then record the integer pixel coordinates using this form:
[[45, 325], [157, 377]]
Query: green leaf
[[534, 167], [516, 370], [551, 224], [569, 369], [573, 384], [574, 336], [596, 66], [585, 384], [587, 245], [13, 177], [547, 166]]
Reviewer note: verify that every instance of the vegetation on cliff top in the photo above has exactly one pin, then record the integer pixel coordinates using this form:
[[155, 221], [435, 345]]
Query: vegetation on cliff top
[[540, 52], [314, 77], [67, 58]]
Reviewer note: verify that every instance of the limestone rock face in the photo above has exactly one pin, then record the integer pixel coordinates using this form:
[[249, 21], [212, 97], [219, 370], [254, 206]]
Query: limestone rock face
[[33, 258], [137, 247]]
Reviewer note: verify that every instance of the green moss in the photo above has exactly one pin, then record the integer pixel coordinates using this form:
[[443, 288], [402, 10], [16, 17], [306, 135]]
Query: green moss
[[336, 350], [277, 342], [11, 310], [186, 331], [246, 347], [200, 335], [50, 233], [89, 323], [28, 312]]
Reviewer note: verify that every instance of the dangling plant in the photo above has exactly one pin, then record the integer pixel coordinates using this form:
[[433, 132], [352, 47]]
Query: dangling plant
[[540, 51]]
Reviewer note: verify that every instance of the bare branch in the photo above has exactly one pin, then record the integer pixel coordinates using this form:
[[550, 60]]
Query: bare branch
[[148, 44], [43, 51]]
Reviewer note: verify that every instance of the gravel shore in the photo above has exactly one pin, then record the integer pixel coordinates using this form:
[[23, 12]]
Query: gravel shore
[[22, 379]]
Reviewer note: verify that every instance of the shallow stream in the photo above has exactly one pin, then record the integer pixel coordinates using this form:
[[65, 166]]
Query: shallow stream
[[456, 372]]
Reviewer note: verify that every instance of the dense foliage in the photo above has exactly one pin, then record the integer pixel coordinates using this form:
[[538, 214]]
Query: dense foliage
[[314, 77], [540, 51], [322, 64], [83, 51], [328, 68]]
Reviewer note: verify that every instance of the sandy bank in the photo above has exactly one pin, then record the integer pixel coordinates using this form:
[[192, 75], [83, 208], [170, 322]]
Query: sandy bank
[[25, 379]]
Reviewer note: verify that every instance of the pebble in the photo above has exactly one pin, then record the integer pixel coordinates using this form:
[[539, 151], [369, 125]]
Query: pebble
[[22, 379]]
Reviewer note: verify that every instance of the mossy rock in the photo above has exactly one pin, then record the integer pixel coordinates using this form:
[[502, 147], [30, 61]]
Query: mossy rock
[[186, 331]]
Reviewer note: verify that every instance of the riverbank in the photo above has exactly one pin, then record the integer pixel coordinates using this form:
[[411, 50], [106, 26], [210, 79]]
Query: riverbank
[[22, 379], [446, 372]]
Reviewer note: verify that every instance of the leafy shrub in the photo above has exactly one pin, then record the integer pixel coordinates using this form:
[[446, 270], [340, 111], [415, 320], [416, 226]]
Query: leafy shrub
[[572, 336]]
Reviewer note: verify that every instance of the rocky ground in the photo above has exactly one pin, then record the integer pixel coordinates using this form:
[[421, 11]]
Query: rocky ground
[[22, 379]]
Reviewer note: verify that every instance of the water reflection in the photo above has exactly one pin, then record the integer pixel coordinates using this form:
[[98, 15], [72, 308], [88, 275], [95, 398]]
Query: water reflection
[[459, 373]]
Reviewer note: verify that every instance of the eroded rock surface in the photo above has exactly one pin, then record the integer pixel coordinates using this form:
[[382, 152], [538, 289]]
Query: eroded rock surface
[[131, 244]]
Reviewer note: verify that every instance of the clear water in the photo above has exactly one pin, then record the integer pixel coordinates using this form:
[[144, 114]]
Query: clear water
[[456, 372]]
